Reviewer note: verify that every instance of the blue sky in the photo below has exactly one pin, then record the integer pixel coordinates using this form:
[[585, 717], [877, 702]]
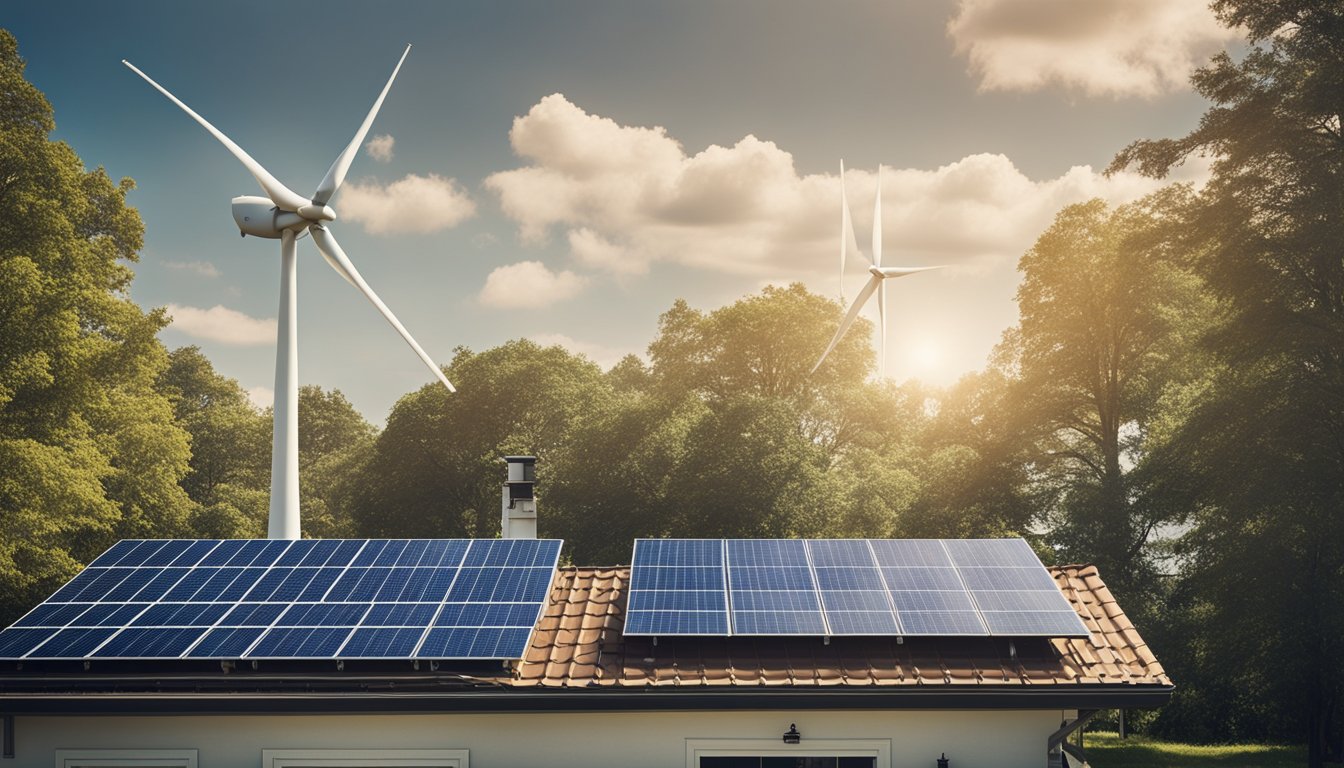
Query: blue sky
[[565, 171]]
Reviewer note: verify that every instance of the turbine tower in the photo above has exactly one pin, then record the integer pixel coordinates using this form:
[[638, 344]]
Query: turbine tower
[[286, 216], [878, 273]]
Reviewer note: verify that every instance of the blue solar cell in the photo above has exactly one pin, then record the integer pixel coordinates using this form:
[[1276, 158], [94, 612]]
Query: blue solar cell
[[858, 577], [401, 614], [243, 581], [1007, 579], [382, 643], [181, 615], [992, 552], [778, 623], [226, 642], [318, 587], [109, 615], [222, 553], [291, 586], [855, 600], [931, 600], [297, 551], [791, 578], [72, 643], [52, 615], [114, 553], [318, 554], [397, 581], [369, 554], [253, 551], [688, 600], [411, 555], [445, 553], [253, 615], [922, 578], [140, 554], [300, 643], [910, 553], [161, 582], [76, 585], [102, 583], [323, 615], [678, 552], [754, 600], [14, 642], [862, 623], [766, 553], [150, 642], [841, 553], [1033, 600], [942, 623], [1046, 623], [487, 615], [689, 577], [193, 553], [676, 623], [190, 584], [389, 554], [166, 554]]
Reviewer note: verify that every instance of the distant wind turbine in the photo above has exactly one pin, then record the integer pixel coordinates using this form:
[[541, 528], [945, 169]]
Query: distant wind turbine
[[878, 272], [286, 216]]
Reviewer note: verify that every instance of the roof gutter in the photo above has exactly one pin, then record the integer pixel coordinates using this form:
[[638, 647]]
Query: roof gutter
[[1081, 697]]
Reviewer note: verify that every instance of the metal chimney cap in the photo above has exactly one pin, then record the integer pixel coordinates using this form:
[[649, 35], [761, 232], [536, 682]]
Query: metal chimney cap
[[520, 459]]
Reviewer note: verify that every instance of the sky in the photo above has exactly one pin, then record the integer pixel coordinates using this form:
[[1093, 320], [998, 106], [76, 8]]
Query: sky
[[565, 171]]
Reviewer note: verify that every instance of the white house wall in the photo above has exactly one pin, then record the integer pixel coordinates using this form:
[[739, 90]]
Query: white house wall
[[971, 739]]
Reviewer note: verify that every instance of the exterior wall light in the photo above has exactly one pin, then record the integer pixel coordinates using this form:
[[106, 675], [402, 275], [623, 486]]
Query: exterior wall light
[[792, 736], [942, 761]]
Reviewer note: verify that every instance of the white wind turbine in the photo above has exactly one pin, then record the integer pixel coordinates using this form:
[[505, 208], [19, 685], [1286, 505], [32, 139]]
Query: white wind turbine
[[285, 215], [879, 274]]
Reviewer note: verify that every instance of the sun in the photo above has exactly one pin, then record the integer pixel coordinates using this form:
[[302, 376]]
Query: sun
[[925, 355]]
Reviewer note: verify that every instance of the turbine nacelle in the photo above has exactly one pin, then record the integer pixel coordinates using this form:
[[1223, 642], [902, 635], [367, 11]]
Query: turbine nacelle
[[259, 217]]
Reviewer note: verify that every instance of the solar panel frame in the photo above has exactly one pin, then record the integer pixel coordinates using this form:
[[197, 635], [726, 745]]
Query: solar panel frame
[[272, 599]]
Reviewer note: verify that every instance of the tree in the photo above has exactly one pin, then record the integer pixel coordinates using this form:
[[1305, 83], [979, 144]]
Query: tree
[[89, 448], [1104, 309], [435, 469], [1261, 455], [335, 443]]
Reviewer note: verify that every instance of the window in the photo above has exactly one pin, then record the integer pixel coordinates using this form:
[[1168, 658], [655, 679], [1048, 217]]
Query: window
[[364, 758], [771, 753], [125, 758]]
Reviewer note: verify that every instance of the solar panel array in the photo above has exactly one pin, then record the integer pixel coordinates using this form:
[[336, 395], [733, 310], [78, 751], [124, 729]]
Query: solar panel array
[[306, 599], [906, 587]]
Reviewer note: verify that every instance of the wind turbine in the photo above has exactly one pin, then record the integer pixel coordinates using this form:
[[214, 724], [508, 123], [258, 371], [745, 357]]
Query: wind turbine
[[878, 273], [286, 216]]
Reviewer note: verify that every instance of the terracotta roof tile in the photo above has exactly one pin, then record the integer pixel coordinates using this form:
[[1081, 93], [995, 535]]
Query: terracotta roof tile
[[579, 644]]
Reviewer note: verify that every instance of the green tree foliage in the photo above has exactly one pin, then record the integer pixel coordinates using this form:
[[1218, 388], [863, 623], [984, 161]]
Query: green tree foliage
[[1104, 311], [1261, 456], [89, 449], [435, 469], [229, 478], [335, 444]]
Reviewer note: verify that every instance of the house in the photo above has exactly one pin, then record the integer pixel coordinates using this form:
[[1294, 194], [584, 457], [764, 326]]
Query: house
[[583, 692]]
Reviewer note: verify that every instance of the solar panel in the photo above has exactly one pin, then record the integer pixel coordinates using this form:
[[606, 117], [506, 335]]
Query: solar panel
[[680, 589], [830, 587], [273, 599]]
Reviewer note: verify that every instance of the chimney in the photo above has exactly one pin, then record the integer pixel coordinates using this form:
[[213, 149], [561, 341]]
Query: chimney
[[519, 519]]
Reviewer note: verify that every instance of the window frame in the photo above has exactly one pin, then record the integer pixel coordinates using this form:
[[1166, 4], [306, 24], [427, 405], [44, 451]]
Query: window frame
[[878, 749], [126, 758], [365, 758]]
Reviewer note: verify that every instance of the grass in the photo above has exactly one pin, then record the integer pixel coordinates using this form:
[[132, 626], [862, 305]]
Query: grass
[[1107, 750]]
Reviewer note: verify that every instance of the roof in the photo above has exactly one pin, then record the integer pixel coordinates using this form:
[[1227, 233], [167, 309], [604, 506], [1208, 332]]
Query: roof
[[579, 659], [579, 644]]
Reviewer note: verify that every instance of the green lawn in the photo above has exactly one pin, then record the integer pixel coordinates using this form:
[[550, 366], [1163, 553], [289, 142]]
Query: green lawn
[[1106, 750]]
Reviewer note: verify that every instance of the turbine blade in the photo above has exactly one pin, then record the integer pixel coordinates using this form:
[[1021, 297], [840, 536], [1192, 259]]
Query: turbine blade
[[882, 328], [336, 174], [877, 221], [331, 250], [853, 312], [284, 197]]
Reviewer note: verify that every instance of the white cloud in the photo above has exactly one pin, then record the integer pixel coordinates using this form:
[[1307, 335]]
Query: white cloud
[[202, 268], [603, 355], [627, 197], [380, 147], [262, 397], [1100, 47], [529, 284], [224, 325], [413, 204]]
